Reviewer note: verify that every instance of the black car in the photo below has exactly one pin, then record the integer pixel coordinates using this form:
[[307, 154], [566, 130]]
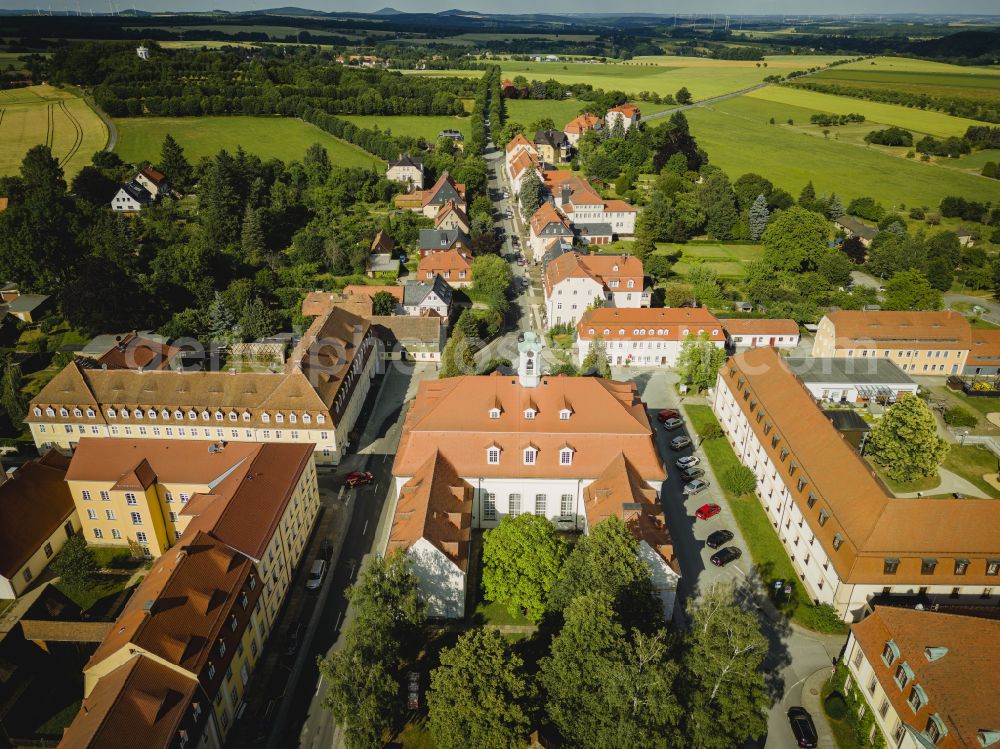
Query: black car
[[718, 538], [802, 726], [725, 556]]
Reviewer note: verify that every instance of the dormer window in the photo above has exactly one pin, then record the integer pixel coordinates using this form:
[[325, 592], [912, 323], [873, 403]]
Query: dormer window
[[306, 419], [566, 456], [63, 412], [530, 455], [279, 417], [204, 416], [565, 414], [493, 456], [614, 268], [918, 698], [37, 411], [265, 417], [890, 653], [233, 416], [530, 413], [246, 416], [591, 331], [192, 415], [218, 416], [111, 413], [77, 412], [494, 413], [903, 675], [137, 413], [838, 541], [321, 418], [165, 414], [936, 729], [178, 414], [293, 418], [151, 413], [631, 284]]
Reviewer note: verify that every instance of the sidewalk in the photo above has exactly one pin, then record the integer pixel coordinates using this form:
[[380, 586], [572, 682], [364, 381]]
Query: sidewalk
[[812, 702]]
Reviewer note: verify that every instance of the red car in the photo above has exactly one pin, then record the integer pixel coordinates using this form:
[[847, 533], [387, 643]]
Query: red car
[[707, 511], [357, 478], [667, 413]]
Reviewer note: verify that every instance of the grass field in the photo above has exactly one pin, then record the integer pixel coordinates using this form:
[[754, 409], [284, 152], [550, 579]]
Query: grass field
[[527, 111], [45, 115], [418, 126], [727, 260], [281, 138], [738, 138], [704, 78]]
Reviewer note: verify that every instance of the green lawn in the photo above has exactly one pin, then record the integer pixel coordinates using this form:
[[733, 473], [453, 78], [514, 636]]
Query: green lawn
[[765, 548], [488, 613], [972, 462], [100, 594], [284, 138], [416, 126], [738, 138], [728, 260], [526, 111]]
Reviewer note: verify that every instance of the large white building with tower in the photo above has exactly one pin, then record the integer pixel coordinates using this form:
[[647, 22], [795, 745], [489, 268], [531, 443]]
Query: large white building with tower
[[475, 449]]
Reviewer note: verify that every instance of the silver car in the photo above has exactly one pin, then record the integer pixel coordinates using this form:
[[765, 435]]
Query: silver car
[[687, 461], [695, 487]]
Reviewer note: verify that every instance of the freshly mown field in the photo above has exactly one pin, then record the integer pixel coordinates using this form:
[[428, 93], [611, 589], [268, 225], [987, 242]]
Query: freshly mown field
[[527, 111], [727, 260], [284, 138], [418, 126], [738, 138], [40, 115], [704, 78]]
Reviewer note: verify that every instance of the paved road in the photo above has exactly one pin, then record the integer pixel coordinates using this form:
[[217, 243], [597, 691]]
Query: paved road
[[704, 102]]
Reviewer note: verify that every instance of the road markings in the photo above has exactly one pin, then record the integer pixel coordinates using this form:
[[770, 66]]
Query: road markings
[[365, 528], [319, 686], [339, 617]]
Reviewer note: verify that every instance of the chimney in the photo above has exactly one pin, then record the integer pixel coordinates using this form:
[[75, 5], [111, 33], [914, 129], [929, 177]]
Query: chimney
[[565, 194], [631, 511]]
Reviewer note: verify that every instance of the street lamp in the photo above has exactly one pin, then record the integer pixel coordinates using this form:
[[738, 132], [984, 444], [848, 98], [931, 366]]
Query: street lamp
[[961, 438]]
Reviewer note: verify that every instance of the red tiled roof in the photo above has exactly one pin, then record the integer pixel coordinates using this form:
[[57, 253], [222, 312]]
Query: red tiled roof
[[760, 326], [985, 349], [368, 290], [441, 262], [626, 109], [545, 215], [661, 324], [135, 352], [520, 140], [885, 329], [582, 123]]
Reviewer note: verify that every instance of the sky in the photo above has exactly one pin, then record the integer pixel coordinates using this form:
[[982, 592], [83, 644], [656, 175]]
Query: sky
[[553, 6]]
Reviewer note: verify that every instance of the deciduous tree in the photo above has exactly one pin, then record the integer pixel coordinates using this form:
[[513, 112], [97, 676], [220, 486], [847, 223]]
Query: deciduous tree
[[491, 275], [596, 360], [794, 239], [910, 290], [699, 360], [383, 303], [905, 441], [76, 563]]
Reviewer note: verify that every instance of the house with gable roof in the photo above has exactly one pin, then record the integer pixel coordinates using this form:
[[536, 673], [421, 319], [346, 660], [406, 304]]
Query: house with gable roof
[[451, 217], [546, 226], [407, 169], [627, 114], [572, 281], [444, 190], [475, 449], [578, 126]]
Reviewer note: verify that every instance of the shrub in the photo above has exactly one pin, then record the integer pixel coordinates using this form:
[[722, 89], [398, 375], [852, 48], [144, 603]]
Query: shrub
[[710, 431], [739, 480], [822, 618], [836, 706], [76, 563], [957, 416]]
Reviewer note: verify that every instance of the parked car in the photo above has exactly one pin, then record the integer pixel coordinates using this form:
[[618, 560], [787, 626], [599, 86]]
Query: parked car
[[802, 727], [693, 472], [717, 538], [672, 424], [667, 413], [707, 511], [293, 639], [413, 690], [679, 443], [316, 574], [358, 478], [687, 461], [725, 556], [695, 487]]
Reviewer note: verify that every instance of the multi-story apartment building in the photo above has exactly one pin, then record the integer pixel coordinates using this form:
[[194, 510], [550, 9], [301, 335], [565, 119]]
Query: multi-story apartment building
[[474, 449], [920, 343], [645, 337], [848, 537], [573, 281], [205, 610], [925, 677], [145, 492], [315, 399]]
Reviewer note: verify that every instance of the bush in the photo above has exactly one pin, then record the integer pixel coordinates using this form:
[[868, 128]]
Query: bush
[[956, 416], [822, 618], [710, 431], [836, 706], [76, 563], [739, 480]]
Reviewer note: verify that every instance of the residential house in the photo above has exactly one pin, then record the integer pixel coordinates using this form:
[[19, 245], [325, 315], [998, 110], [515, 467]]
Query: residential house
[[420, 297], [430, 241], [131, 198], [518, 144], [368, 291], [848, 537], [383, 244], [546, 226], [645, 337], [29, 308], [520, 166], [314, 399], [509, 89], [965, 238], [129, 351], [418, 338], [573, 281], [590, 214], [627, 114], [924, 676], [840, 380], [921, 343], [142, 51], [454, 266], [144, 493], [407, 169], [382, 266], [578, 126], [37, 517], [154, 182], [752, 332], [475, 449], [984, 353], [451, 217], [552, 146], [443, 191], [455, 136], [856, 229]]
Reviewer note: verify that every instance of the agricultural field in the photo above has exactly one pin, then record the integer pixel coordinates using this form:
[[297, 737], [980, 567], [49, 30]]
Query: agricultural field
[[417, 126], [527, 111], [283, 138], [726, 259], [739, 139], [703, 77], [45, 115]]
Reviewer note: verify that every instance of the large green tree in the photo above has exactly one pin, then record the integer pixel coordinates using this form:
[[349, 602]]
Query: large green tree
[[905, 441], [383, 303], [759, 215], [174, 164], [491, 275], [719, 203], [12, 400], [910, 290], [596, 360], [458, 357], [522, 557], [604, 688], [76, 563], [699, 360], [531, 194], [724, 698], [478, 695], [795, 238]]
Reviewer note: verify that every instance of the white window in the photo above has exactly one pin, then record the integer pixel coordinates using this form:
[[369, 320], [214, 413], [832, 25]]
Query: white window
[[164, 414], [63, 412], [279, 417], [111, 413], [529, 413], [493, 455], [321, 419], [566, 456], [110, 514], [137, 413], [92, 514], [530, 454], [116, 534], [136, 518], [141, 537], [293, 418], [566, 507], [37, 411], [494, 413], [130, 499], [178, 415], [265, 417], [306, 418], [192, 415], [86, 495], [98, 533], [77, 412], [514, 505], [105, 496], [204, 416], [151, 413], [565, 414], [490, 506], [218, 416], [540, 501], [185, 498]]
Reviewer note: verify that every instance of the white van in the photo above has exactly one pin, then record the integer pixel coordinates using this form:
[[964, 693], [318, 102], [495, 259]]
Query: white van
[[316, 574]]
